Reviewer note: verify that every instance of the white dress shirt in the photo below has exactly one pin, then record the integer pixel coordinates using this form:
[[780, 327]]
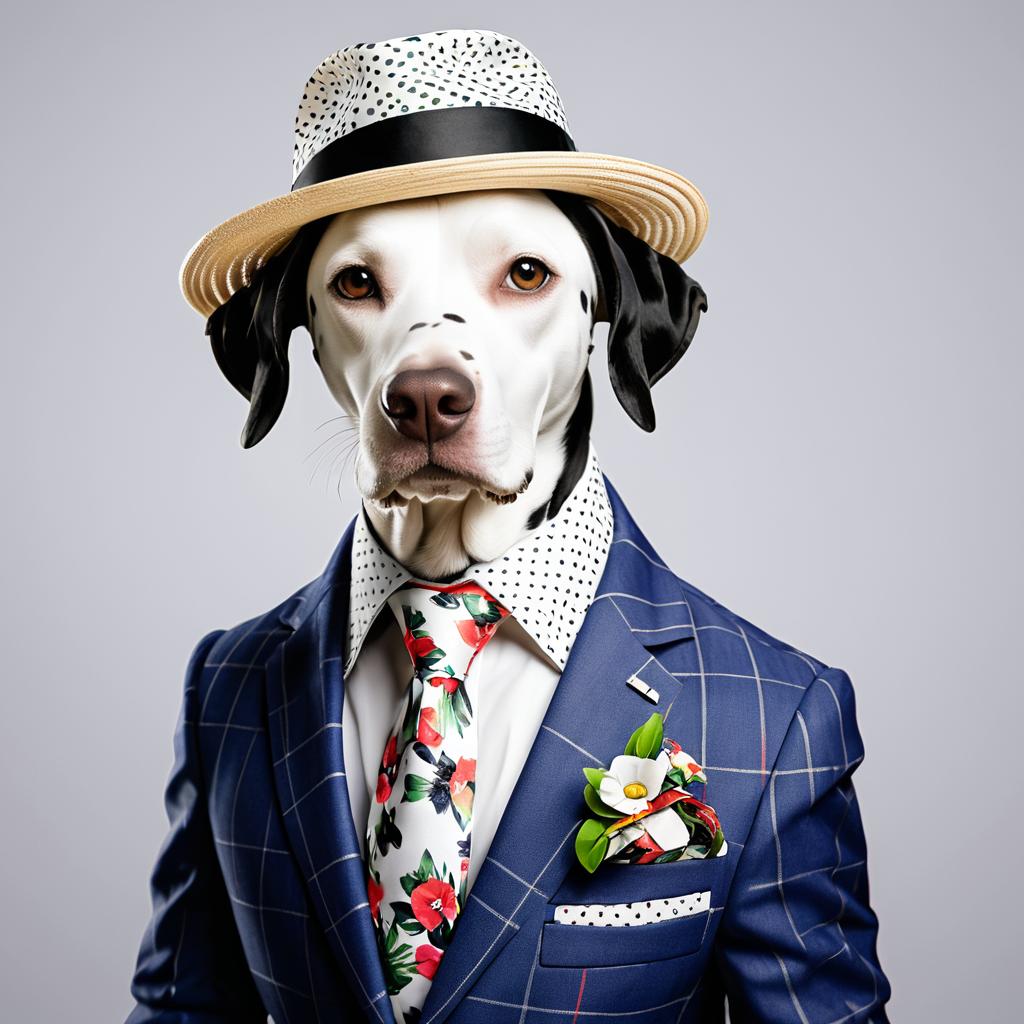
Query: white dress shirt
[[547, 582]]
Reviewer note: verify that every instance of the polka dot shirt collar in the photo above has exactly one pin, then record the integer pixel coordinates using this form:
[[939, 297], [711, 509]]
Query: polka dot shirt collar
[[547, 580]]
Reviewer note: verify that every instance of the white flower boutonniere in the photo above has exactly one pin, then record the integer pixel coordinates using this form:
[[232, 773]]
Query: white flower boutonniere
[[643, 813]]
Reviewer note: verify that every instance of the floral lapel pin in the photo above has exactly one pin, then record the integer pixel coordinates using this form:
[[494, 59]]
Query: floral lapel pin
[[642, 811]]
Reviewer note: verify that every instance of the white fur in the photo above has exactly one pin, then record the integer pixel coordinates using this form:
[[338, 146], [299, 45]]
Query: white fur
[[452, 254]]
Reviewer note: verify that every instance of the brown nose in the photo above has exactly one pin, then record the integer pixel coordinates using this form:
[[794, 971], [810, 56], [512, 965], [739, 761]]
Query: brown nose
[[428, 405]]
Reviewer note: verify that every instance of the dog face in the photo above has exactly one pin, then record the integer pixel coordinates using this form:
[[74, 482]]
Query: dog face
[[455, 332]]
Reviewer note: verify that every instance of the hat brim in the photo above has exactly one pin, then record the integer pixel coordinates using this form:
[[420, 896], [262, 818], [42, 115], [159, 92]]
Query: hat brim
[[659, 206]]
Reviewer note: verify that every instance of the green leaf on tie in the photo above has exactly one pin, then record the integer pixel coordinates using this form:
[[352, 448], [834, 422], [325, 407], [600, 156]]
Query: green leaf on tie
[[460, 703], [417, 788], [484, 612], [405, 919], [430, 658], [426, 869], [594, 776]]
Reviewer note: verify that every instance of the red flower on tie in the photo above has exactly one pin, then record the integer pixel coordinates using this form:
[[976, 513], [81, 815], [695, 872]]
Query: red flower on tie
[[473, 635], [465, 772], [450, 683], [427, 732], [390, 753], [374, 893], [461, 785], [427, 959], [383, 788], [433, 902], [419, 647]]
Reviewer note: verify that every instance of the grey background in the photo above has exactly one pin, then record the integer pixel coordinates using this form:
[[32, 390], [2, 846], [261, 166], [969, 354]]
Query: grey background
[[837, 457]]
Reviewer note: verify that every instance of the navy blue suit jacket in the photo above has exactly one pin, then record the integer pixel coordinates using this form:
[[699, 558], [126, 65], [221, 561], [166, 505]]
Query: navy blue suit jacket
[[259, 893]]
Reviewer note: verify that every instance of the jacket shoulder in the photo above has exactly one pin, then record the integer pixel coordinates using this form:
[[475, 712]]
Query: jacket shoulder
[[743, 672], [725, 632], [756, 690], [661, 607], [237, 656]]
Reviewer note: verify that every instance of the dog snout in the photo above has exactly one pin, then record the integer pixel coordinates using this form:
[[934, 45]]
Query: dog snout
[[428, 405]]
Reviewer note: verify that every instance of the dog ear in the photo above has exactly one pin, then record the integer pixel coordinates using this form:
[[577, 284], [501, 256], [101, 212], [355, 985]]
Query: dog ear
[[249, 333], [651, 304]]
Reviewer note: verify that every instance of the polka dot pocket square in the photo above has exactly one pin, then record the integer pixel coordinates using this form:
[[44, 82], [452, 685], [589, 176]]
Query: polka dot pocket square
[[641, 912]]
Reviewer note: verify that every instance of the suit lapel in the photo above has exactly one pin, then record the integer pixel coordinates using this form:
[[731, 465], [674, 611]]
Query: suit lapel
[[587, 723], [305, 691]]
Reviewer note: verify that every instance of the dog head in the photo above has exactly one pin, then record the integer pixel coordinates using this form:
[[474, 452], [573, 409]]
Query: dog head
[[455, 331]]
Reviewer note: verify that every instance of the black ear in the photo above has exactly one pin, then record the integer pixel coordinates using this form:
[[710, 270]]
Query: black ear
[[651, 304], [250, 332]]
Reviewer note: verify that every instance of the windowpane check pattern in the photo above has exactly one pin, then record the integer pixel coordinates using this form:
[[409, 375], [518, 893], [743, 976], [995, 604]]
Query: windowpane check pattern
[[259, 892]]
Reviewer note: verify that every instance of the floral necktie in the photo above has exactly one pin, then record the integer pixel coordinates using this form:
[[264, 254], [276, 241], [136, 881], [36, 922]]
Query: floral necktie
[[419, 833]]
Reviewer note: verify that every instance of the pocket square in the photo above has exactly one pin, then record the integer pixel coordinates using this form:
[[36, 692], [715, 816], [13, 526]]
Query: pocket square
[[640, 912]]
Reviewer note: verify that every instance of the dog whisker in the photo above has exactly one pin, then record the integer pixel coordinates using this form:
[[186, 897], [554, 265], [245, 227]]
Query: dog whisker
[[340, 453], [334, 419], [327, 456], [336, 434], [330, 471], [353, 448], [344, 467]]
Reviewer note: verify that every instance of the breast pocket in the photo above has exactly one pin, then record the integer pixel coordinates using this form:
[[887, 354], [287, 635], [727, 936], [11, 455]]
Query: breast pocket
[[633, 913]]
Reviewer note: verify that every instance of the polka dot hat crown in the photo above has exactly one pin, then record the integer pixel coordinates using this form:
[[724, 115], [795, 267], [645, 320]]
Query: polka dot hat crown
[[434, 114], [369, 82]]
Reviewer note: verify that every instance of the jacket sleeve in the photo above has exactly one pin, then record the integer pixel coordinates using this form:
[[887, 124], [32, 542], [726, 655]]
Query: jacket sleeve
[[797, 937], [191, 968]]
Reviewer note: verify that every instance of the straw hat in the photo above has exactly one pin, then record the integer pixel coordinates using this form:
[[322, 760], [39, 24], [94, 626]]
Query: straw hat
[[433, 114]]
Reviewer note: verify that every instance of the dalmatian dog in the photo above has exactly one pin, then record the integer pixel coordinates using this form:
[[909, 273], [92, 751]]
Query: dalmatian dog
[[455, 333], [450, 255]]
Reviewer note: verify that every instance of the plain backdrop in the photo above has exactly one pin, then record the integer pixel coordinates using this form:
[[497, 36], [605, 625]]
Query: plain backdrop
[[837, 457]]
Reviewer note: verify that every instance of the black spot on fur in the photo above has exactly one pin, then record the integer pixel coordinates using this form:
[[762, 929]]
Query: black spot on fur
[[415, 327], [312, 307], [454, 316], [575, 444], [652, 306], [536, 517], [583, 301], [466, 355], [250, 332]]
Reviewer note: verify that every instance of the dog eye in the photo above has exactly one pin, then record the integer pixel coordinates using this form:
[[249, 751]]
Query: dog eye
[[355, 283], [527, 274]]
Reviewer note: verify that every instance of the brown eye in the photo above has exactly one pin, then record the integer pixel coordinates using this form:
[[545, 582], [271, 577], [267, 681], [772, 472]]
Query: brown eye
[[355, 283], [527, 274]]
